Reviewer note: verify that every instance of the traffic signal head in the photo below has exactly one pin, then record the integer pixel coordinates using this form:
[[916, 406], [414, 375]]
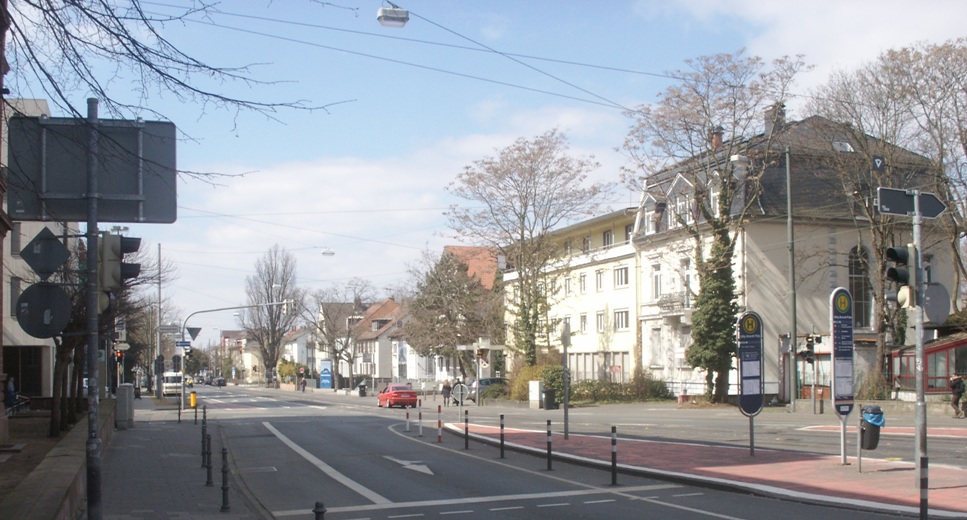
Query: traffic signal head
[[112, 271], [903, 272], [119, 356]]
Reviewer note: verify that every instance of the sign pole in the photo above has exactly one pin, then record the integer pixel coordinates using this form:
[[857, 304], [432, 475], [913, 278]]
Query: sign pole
[[841, 327], [751, 397]]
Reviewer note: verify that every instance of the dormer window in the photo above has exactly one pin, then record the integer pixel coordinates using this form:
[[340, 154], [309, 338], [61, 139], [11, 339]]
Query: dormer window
[[843, 146]]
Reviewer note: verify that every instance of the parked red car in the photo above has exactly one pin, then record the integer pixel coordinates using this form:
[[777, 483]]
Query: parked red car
[[397, 394]]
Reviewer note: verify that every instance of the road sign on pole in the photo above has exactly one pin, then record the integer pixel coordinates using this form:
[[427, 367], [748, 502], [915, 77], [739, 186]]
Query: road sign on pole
[[891, 201]]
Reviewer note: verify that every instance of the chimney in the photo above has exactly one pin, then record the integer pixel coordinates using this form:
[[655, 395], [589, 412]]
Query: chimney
[[775, 118], [715, 137]]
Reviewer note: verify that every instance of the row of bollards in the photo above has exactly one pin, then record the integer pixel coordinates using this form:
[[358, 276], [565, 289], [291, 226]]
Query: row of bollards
[[550, 450], [206, 458]]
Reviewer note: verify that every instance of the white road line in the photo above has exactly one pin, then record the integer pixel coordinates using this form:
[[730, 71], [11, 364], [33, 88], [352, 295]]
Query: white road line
[[329, 470]]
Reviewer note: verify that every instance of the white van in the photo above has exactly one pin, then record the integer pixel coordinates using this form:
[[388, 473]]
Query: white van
[[171, 384]]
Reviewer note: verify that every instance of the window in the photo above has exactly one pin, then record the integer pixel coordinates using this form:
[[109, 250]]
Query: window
[[607, 238], [586, 244], [584, 323], [567, 323], [621, 320], [600, 320], [629, 232], [14, 294], [621, 277], [686, 283], [713, 202], [567, 247], [583, 283], [656, 282], [859, 287], [599, 280], [567, 286], [15, 246]]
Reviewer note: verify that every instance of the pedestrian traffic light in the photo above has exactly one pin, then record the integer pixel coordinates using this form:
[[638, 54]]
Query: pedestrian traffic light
[[112, 270], [903, 272]]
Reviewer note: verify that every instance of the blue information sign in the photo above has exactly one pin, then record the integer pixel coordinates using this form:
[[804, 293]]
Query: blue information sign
[[750, 363], [325, 375], [841, 325]]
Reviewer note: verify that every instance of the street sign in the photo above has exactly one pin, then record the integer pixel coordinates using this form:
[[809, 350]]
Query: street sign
[[182, 344], [460, 392], [45, 254], [751, 397], [43, 310], [169, 329], [841, 321], [892, 201]]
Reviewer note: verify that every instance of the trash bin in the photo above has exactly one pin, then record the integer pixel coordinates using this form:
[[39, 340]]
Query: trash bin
[[362, 390], [549, 403], [870, 426], [193, 399]]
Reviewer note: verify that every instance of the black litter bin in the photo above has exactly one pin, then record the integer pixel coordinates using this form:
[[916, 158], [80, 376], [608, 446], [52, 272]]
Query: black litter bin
[[549, 403], [870, 426], [362, 390]]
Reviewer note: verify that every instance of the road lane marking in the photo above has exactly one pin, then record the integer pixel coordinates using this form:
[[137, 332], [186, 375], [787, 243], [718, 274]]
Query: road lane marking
[[411, 464], [625, 491], [367, 493]]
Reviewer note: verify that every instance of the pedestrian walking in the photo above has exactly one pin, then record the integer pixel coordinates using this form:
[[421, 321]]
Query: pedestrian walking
[[10, 393], [956, 392], [446, 389], [303, 384]]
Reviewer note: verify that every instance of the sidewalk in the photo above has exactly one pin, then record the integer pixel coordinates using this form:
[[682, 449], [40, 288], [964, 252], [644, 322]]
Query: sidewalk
[[154, 470], [884, 485]]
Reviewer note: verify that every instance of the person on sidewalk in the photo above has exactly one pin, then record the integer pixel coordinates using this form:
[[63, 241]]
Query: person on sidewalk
[[956, 392], [445, 390], [303, 385], [10, 393]]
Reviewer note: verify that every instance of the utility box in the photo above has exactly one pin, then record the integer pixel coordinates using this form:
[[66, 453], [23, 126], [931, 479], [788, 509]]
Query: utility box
[[124, 413], [535, 394]]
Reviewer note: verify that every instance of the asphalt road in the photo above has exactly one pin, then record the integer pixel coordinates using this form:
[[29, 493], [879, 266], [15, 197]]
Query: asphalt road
[[292, 450]]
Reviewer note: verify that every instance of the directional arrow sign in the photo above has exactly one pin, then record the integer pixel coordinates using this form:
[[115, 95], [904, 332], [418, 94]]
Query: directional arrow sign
[[411, 464], [892, 201]]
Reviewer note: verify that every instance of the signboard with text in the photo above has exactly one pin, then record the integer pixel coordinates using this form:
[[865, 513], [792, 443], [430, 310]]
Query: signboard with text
[[841, 327], [751, 397]]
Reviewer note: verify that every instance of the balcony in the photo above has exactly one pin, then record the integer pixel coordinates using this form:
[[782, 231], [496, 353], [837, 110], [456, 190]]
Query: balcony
[[675, 304]]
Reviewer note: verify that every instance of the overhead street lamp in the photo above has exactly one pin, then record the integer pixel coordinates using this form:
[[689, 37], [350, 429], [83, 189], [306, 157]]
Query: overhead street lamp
[[393, 16]]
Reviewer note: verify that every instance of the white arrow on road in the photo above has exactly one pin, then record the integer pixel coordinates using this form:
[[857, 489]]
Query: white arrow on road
[[411, 464]]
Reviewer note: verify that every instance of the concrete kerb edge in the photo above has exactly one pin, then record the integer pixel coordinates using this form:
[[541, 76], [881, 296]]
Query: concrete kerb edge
[[456, 429], [235, 476]]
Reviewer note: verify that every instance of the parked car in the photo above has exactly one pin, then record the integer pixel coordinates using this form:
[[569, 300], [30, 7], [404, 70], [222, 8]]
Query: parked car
[[220, 381], [483, 384], [397, 394]]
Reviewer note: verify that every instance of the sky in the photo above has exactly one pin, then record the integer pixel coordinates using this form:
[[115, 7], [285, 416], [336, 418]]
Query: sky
[[402, 111]]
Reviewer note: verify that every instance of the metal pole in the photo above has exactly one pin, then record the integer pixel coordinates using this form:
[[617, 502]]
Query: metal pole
[[208, 458], [501, 435], [466, 426], [158, 375], [920, 421], [793, 340], [439, 423], [565, 341], [94, 506]]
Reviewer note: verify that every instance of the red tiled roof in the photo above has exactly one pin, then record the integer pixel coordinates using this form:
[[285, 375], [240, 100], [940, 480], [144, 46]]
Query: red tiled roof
[[481, 262]]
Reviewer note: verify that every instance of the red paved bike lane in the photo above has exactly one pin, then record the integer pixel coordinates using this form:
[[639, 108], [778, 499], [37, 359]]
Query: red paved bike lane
[[883, 485]]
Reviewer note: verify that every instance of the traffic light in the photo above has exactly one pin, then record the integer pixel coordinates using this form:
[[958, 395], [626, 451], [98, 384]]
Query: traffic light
[[809, 352], [112, 270], [904, 274], [119, 357], [187, 352], [176, 363]]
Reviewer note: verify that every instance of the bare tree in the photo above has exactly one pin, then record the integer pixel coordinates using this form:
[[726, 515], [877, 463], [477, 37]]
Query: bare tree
[[333, 314], [451, 308], [517, 198], [692, 133], [275, 299]]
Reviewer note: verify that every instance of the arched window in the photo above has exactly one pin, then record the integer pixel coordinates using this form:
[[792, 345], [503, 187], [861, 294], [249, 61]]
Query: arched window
[[860, 288]]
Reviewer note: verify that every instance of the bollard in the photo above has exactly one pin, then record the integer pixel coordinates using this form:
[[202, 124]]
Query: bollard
[[196, 415], [548, 445], [204, 430], [466, 429], [225, 507], [420, 416], [407, 421], [439, 423], [320, 511], [501, 435], [614, 455], [208, 464]]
